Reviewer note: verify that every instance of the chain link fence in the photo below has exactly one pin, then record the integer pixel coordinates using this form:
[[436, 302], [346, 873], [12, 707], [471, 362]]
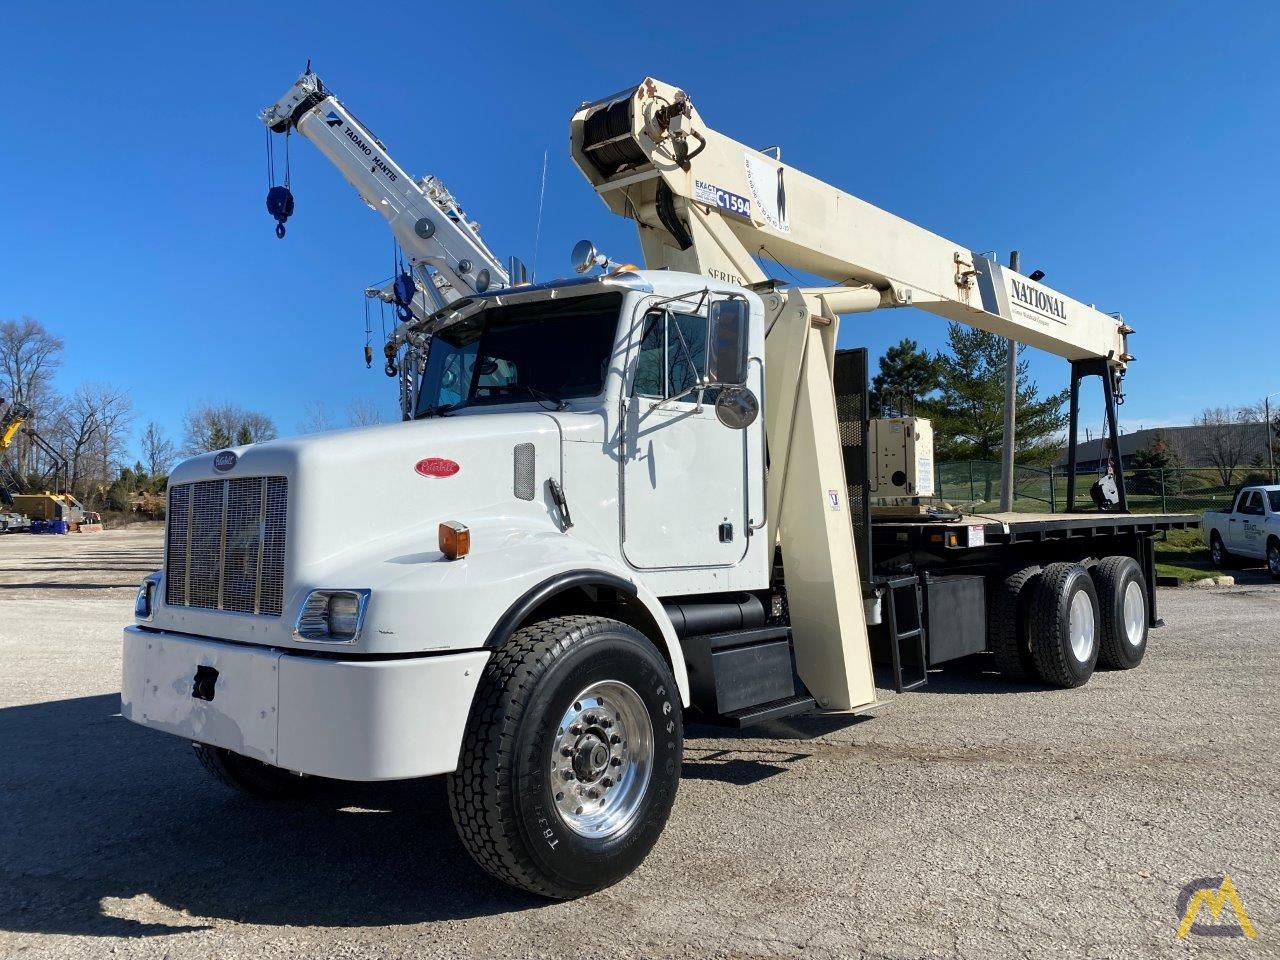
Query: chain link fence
[[1044, 489]]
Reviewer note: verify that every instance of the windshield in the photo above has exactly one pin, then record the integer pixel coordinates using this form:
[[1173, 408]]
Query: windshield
[[547, 351]]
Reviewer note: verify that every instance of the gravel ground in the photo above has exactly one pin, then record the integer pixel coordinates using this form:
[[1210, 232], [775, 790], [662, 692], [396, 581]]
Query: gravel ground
[[975, 818]]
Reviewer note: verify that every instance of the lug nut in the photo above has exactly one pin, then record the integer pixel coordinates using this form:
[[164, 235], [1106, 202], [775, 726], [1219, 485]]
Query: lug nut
[[591, 718], [567, 774], [615, 739], [606, 723], [566, 751], [576, 730], [593, 793], [607, 782], [615, 762]]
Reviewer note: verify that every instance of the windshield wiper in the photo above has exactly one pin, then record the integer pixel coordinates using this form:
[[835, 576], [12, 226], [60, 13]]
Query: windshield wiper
[[442, 410], [540, 396]]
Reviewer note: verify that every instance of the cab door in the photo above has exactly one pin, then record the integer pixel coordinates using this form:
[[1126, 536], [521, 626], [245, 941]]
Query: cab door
[[1249, 526], [684, 488]]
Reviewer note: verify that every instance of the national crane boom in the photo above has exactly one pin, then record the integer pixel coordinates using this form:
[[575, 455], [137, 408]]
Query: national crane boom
[[705, 203]]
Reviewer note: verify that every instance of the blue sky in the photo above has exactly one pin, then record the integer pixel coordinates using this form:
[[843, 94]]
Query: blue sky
[[1129, 153]]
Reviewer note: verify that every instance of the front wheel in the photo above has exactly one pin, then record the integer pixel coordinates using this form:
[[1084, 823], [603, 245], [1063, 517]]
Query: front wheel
[[571, 758], [1273, 558], [253, 777]]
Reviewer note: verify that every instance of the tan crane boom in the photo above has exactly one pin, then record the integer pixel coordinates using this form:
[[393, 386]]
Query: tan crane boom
[[705, 203]]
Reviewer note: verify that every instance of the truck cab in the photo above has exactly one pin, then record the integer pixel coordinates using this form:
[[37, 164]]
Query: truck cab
[[1251, 528]]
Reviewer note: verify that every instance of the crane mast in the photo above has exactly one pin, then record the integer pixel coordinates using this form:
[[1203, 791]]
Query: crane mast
[[704, 203]]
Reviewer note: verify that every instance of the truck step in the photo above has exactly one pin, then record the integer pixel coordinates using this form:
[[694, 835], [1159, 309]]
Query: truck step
[[775, 710]]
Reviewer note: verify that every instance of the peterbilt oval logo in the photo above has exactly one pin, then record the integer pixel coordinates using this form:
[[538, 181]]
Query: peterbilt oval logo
[[436, 467], [225, 460]]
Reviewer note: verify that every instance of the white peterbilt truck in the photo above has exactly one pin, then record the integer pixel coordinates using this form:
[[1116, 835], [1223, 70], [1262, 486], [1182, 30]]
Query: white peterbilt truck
[[617, 498]]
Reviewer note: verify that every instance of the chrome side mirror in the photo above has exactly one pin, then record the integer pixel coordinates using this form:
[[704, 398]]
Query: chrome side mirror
[[584, 256], [727, 328], [737, 408]]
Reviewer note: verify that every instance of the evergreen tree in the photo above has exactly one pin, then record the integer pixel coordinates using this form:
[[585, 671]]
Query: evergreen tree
[[1145, 466], [968, 413], [907, 375]]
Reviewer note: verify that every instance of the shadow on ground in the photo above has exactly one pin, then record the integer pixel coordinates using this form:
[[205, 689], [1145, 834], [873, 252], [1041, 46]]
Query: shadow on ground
[[94, 810]]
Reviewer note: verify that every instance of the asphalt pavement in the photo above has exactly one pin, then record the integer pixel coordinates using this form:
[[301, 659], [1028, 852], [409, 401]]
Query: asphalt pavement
[[974, 818]]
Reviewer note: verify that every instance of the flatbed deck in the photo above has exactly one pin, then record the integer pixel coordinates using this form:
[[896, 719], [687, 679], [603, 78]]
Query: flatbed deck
[[985, 529]]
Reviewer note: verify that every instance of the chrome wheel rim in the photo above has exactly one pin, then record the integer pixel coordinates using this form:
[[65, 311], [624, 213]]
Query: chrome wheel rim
[[1081, 626], [1215, 551], [1135, 613], [601, 759]]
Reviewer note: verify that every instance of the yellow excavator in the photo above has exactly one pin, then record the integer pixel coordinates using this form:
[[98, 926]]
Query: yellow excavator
[[36, 504]]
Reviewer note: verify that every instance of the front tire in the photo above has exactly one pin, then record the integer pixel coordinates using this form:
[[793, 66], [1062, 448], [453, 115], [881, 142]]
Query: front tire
[[571, 759], [1273, 558], [253, 777], [1063, 625], [1122, 600]]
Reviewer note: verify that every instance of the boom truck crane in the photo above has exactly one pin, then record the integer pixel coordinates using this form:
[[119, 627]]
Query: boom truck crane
[[31, 503], [447, 259], [590, 530]]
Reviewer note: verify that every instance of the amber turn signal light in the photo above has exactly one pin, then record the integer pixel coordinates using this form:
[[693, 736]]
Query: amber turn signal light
[[455, 539]]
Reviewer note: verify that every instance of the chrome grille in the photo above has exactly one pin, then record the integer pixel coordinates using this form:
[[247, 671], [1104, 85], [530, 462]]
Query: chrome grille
[[225, 545]]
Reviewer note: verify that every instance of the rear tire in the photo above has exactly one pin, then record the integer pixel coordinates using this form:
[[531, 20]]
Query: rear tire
[[1063, 625], [1273, 558], [571, 759], [1007, 609], [1122, 601], [253, 777]]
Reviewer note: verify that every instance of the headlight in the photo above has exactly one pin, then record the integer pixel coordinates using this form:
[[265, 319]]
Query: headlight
[[332, 616], [142, 604]]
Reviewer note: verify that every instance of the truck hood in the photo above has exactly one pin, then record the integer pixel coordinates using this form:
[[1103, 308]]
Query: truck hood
[[379, 492], [349, 488]]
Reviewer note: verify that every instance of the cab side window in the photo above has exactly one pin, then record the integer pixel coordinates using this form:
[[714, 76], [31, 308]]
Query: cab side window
[[651, 364], [672, 357], [1251, 504]]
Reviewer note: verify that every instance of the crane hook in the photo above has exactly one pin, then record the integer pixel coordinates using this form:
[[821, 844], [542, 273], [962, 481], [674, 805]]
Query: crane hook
[[280, 206]]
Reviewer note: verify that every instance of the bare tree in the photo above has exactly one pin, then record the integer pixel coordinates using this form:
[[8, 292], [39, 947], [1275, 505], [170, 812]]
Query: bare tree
[[1224, 437], [315, 418], [29, 355], [158, 451], [93, 430], [363, 412], [208, 427]]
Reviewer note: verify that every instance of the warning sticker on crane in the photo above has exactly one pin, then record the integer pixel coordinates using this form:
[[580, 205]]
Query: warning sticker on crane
[[721, 198], [769, 189]]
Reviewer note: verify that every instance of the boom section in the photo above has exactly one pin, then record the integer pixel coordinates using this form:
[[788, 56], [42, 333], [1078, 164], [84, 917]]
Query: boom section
[[707, 204], [426, 220]]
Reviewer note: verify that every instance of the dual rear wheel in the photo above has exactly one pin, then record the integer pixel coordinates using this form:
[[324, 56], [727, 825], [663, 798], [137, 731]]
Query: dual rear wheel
[[1059, 622]]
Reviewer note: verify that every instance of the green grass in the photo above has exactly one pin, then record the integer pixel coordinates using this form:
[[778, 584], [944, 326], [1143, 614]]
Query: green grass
[[1184, 555]]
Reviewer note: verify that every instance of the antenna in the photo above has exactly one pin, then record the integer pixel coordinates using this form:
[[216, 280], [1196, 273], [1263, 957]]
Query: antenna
[[537, 233]]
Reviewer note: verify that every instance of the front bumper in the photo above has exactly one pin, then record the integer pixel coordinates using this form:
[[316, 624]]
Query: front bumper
[[346, 719]]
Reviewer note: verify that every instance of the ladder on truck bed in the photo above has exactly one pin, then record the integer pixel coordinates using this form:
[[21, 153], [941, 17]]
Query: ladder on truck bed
[[902, 620]]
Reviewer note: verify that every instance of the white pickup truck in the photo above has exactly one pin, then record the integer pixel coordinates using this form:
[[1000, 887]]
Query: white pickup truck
[[1251, 528]]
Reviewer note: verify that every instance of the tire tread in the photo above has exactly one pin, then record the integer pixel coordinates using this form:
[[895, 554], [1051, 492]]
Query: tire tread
[[1045, 624], [1006, 623], [1107, 577], [477, 790]]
